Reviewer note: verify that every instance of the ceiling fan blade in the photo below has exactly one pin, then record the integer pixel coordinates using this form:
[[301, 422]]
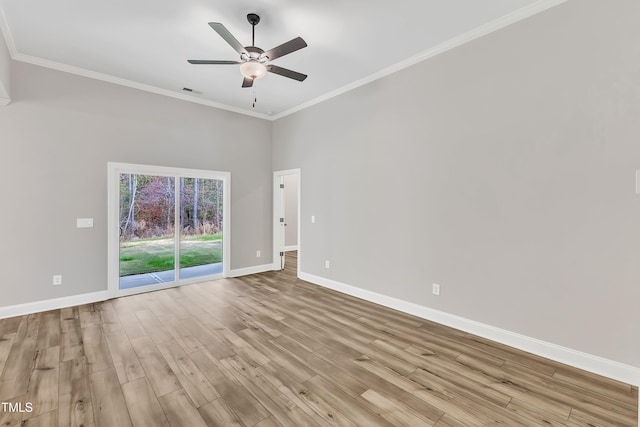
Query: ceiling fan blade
[[228, 37], [285, 48], [286, 72], [211, 61], [247, 82]]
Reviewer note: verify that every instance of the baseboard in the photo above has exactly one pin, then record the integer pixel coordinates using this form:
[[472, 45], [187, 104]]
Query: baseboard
[[250, 270], [70, 301], [588, 362], [291, 248], [52, 304]]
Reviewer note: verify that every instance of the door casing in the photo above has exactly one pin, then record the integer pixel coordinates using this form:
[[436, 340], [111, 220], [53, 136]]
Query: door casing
[[114, 170]]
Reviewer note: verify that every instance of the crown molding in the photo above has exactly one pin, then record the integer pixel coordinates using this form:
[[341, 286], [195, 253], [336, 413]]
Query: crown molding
[[476, 33], [8, 37], [129, 83]]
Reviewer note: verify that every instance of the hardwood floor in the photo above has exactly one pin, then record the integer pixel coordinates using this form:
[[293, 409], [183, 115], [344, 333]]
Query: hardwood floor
[[271, 350]]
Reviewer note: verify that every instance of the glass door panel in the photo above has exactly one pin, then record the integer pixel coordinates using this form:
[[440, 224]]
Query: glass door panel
[[201, 209], [147, 230]]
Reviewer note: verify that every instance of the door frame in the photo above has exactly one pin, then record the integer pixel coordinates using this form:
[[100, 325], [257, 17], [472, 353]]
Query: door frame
[[114, 169], [278, 235]]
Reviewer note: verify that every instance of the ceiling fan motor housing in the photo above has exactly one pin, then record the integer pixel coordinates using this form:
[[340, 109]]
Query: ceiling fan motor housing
[[254, 53]]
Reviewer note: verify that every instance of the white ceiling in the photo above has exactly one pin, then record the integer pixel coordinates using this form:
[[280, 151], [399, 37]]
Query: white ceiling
[[146, 43]]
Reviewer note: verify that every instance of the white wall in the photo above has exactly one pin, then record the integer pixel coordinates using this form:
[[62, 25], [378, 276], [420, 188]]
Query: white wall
[[502, 169], [57, 136], [5, 72]]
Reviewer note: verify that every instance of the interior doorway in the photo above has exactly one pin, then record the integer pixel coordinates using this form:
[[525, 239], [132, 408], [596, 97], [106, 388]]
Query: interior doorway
[[167, 226], [286, 214]]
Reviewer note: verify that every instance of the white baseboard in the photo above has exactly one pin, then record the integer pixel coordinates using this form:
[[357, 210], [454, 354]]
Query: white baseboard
[[588, 362], [73, 300], [291, 248], [52, 304], [250, 270]]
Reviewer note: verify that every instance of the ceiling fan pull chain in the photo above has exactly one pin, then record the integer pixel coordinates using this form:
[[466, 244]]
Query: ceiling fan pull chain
[[255, 99]]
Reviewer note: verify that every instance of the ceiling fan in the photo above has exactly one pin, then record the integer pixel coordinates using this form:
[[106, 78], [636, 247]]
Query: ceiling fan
[[254, 62]]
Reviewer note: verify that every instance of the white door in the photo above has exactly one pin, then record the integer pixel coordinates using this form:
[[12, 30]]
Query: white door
[[286, 211]]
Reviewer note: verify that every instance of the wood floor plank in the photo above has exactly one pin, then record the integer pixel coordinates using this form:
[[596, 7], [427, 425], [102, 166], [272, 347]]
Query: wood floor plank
[[180, 411], [9, 417], [74, 403], [158, 372], [144, 407], [124, 358], [218, 414], [282, 409], [70, 334], [48, 419], [152, 325], [187, 339], [348, 405], [95, 346], [269, 349], [49, 332], [89, 315], [20, 360], [393, 411], [193, 381], [43, 382], [6, 341], [109, 407]]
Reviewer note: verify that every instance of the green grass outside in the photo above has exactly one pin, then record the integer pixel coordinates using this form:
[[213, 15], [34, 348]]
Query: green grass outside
[[153, 255]]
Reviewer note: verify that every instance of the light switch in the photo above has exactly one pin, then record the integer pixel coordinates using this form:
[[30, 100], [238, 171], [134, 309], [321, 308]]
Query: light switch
[[84, 222]]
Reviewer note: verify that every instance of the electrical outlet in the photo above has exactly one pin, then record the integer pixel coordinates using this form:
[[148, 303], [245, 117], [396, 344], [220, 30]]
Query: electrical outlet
[[436, 289], [313, 219], [57, 280], [258, 254], [326, 264]]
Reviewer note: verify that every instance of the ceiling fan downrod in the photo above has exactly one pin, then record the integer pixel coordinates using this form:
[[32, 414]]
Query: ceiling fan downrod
[[253, 20]]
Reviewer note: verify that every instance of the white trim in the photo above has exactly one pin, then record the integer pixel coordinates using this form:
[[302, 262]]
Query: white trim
[[291, 248], [129, 83], [237, 272], [471, 35], [588, 362], [114, 169], [160, 286], [277, 175], [52, 304], [4, 101], [6, 33]]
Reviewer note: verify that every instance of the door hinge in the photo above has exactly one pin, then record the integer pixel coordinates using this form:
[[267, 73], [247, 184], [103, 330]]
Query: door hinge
[[281, 185], [281, 253], [281, 219]]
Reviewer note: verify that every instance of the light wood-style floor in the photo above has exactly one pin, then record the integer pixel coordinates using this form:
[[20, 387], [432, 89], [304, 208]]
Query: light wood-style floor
[[270, 350]]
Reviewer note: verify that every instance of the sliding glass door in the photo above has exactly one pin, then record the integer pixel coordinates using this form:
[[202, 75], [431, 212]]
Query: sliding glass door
[[200, 227], [169, 225]]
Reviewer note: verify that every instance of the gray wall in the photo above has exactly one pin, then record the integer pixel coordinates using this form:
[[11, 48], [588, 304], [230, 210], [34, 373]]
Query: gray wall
[[57, 136], [502, 169], [5, 71]]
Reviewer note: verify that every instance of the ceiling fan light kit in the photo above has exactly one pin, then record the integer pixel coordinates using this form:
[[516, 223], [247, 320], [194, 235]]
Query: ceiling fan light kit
[[254, 62], [253, 69]]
